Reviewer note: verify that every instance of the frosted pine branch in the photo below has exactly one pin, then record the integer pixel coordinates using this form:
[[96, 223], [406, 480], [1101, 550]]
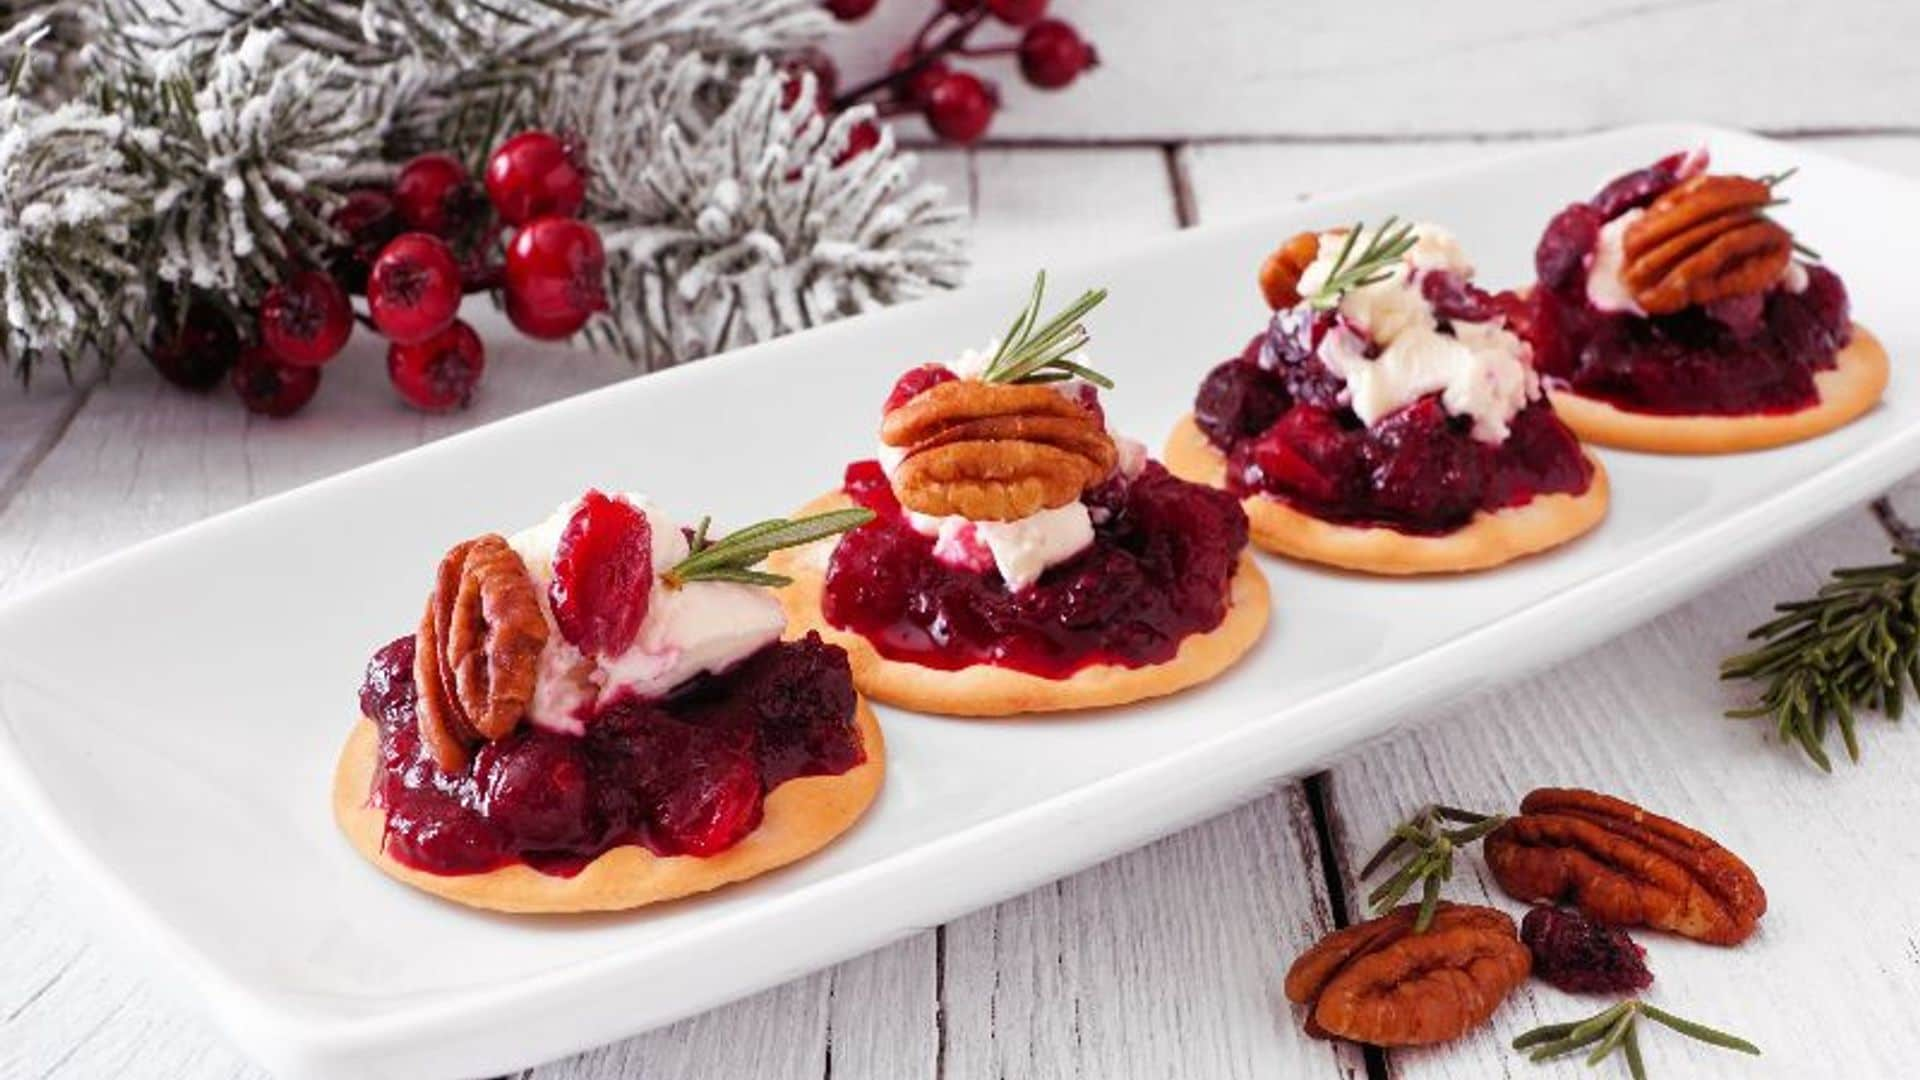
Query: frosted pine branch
[[246, 157], [730, 229]]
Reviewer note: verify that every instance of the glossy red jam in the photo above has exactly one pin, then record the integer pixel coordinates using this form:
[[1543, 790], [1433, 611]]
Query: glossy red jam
[[1274, 411], [683, 775], [1755, 354], [1159, 569]]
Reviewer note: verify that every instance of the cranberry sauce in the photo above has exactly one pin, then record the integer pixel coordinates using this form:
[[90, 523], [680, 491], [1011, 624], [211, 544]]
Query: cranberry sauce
[[1275, 412], [1159, 568], [683, 775], [1753, 354]]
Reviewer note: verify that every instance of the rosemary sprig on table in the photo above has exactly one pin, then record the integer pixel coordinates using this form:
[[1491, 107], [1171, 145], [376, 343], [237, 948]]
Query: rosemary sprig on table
[[1032, 352], [1852, 646], [1614, 1029], [1370, 266], [734, 556], [1426, 845]]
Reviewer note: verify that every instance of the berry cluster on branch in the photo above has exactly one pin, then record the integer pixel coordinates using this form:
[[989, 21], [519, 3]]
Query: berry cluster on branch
[[212, 182]]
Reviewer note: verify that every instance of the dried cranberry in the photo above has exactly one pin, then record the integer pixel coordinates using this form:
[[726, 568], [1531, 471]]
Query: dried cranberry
[[1236, 400], [442, 836], [1425, 472], [1581, 956], [915, 382], [535, 789], [1307, 454], [1291, 350], [1560, 259], [713, 801], [1634, 190], [386, 692], [1743, 316], [602, 575], [1455, 299], [866, 483]]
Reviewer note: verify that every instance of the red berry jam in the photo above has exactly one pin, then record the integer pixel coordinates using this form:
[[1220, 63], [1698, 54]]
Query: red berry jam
[[1275, 412], [1581, 956], [686, 774], [1755, 354], [1159, 568]]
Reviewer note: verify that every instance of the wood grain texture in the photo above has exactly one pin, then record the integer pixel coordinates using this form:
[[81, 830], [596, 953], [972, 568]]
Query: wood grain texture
[[1398, 68]]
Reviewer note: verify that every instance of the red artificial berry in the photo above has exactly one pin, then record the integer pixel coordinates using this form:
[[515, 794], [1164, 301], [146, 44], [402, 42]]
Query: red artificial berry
[[195, 354], [1053, 54], [960, 106], [826, 78], [849, 10], [434, 194], [716, 803], [272, 388], [915, 382], [602, 575], [1017, 12], [438, 374], [555, 268], [532, 175], [368, 220], [914, 89], [306, 319], [413, 292], [864, 137]]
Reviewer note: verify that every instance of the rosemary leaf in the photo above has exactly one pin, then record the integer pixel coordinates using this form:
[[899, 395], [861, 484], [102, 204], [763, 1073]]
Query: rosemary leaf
[[1702, 1032], [1373, 264], [1036, 352], [732, 557]]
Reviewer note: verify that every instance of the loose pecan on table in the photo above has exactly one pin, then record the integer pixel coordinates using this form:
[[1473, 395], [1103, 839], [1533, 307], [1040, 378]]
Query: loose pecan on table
[[995, 451], [1280, 273], [1620, 864], [477, 651], [1382, 983], [1707, 239]]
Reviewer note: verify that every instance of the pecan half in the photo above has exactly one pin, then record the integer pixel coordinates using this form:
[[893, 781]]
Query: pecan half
[[1620, 864], [1280, 273], [995, 452], [1704, 240], [477, 651], [1380, 983]]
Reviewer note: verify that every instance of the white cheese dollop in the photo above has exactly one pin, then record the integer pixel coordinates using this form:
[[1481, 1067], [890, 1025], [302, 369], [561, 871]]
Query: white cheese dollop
[[1482, 371], [1605, 290], [702, 626]]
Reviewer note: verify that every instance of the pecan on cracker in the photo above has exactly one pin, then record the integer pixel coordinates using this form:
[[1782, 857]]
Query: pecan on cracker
[[477, 651], [1705, 240]]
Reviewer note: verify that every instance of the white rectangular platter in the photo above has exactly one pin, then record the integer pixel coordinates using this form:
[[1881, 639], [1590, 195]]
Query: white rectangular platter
[[170, 716]]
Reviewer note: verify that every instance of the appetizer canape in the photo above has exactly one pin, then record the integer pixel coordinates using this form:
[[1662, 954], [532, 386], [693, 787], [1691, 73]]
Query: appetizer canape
[[598, 713], [1673, 315], [1023, 557], [1389, 420]]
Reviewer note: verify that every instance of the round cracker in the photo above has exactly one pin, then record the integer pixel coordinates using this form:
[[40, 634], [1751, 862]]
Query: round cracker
[[1847, 390], [986, 690], [1487, 540], [802, 816]]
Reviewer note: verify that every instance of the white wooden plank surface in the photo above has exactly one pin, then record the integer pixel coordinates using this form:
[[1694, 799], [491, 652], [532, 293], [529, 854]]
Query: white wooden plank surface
[[1241, 68]]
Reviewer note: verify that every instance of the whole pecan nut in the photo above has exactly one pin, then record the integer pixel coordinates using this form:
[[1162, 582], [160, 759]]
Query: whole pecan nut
[[1704, 240], [477, 652], [1622, 865], [1379, 982], [1280, 273], [995, 452]]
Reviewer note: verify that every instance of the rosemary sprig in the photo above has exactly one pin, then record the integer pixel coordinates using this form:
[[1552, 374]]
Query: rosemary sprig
[[734, 556], [1851, 647], [1773, 180], [1614, 1029], [1371, 265], [1035, 352], [1426, 845]]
